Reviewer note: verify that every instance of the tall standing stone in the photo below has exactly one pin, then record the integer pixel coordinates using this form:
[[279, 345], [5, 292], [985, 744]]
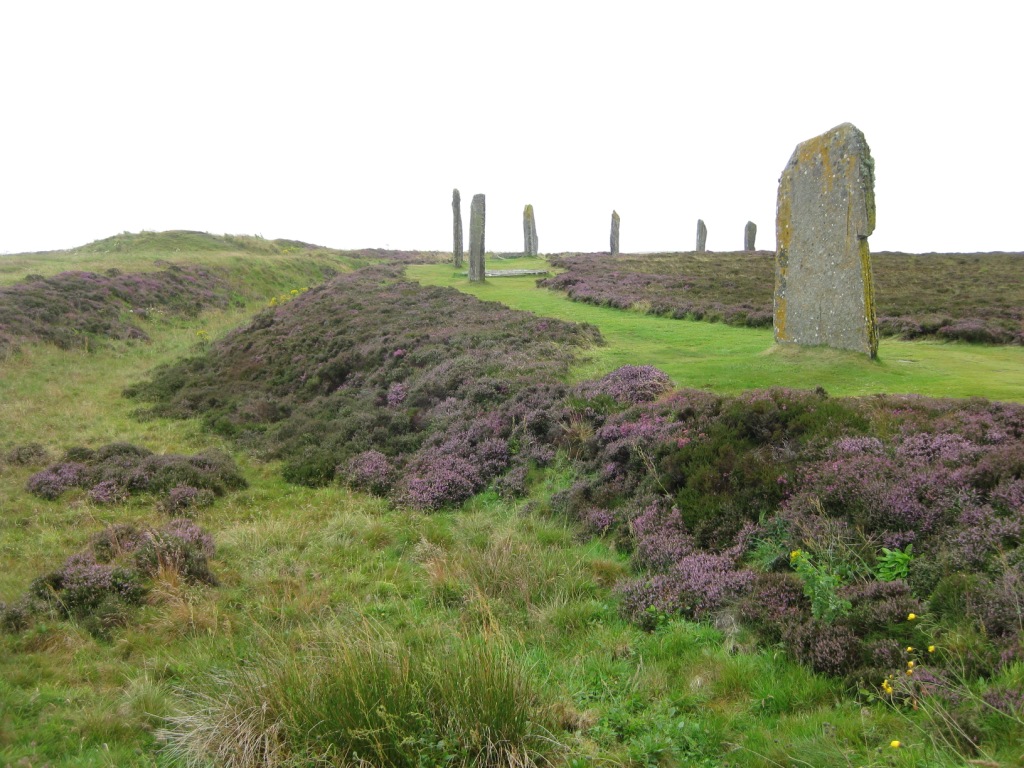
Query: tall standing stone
[[529, 232], [824, 290], [615, 234], [457, 227], [749, 235], [476, 239], [702, 236]]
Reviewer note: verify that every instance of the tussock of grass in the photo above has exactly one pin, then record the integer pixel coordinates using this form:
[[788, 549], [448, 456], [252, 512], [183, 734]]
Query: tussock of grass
[[360, 698]]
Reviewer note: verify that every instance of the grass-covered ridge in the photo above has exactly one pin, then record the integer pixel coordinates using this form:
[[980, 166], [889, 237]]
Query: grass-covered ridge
[[395, 386], [969, 297], [325, 596]]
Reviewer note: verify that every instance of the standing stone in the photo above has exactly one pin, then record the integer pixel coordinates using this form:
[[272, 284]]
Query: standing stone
[[749, 235], [476, 239], [457, 227], [702, 236], [824, 290], [615, 234], [529, 232]]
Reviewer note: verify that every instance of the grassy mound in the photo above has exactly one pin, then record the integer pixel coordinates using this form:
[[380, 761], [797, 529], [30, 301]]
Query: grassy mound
[[395, 387]]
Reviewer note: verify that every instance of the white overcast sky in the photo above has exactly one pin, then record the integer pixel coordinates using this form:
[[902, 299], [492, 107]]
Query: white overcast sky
[[347, 124]]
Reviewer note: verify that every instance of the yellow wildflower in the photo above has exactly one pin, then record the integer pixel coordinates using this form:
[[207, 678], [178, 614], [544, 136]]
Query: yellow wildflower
[[931, 649], [911, 616], [910, 649], [894, 744]]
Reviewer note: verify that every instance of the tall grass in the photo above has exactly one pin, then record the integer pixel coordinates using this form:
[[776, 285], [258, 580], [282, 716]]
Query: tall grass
[[360, 698]]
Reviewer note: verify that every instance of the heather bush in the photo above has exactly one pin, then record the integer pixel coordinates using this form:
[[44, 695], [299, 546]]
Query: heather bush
[[82, 583], [628, 385], [371, 471], [74, 309], [107, 492], [113, 472], [101, 585], [27, 455], [181, 546], [185, 501]]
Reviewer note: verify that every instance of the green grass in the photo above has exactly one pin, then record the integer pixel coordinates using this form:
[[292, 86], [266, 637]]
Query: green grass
[[303, 569], [730, 360]]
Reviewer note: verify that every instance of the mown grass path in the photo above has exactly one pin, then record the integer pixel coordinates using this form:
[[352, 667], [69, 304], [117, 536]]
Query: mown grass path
[[729, 360]]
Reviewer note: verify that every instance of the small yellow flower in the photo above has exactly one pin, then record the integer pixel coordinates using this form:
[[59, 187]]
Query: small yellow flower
[[910, 665], [910, 671], [294, 292], [931, 649], [895, 744], [910, 649], [911, 616]]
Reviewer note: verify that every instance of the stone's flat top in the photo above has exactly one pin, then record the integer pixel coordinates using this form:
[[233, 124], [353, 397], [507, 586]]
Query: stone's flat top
[[513, 272]]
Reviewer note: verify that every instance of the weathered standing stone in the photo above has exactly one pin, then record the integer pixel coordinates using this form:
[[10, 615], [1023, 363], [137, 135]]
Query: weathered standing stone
[[615, 234], [529, 232], [824, 290], [457, 227], [749, 235], [702, 236], [476, 239]]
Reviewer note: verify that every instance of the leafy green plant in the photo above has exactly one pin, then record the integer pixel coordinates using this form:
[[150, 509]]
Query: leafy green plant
[[821, 585], [894, 563]]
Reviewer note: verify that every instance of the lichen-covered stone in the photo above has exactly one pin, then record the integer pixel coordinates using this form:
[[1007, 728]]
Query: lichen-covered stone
[[529, 232], [457, 249], [615, 234], [476, 239], [702, 236], [749, 236], [824, 290]]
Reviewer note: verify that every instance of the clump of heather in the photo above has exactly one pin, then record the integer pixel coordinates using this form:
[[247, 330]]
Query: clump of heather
[[74, 309], [181, 546], [694, 586], [114, 472], [101, 585], [628, 385], [185, 501], [107, 492], [370, 471], [82, 583], [27, 455]]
